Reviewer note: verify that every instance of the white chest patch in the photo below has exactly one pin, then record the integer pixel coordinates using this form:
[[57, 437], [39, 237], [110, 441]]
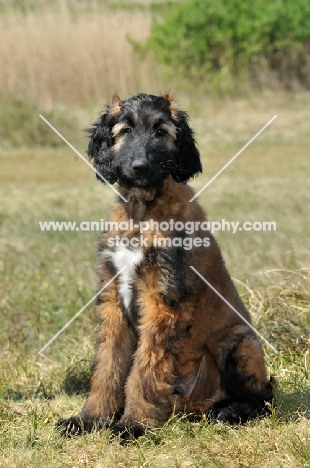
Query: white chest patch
[[123, 257]]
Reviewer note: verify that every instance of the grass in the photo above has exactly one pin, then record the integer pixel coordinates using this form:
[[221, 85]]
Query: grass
[[47, 277], [57, 56], [64, 58]]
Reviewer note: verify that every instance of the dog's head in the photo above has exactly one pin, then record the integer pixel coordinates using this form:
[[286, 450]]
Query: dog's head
[[142, 140]]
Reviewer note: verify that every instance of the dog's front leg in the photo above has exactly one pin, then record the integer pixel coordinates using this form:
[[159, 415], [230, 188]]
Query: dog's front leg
[[115, 347], [150, 386]]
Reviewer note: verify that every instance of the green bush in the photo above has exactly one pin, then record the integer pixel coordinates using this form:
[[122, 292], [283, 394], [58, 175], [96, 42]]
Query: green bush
[[225, 42]]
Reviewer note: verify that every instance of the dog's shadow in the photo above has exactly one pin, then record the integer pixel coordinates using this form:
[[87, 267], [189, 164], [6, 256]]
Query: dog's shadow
[[291, 406], [77, 378]]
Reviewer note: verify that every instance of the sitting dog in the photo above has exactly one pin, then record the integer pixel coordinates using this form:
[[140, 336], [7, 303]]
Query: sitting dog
[[167, 343]]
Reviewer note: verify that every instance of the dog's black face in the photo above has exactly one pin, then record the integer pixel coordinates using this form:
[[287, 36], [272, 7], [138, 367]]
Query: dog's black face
[[141, 140]]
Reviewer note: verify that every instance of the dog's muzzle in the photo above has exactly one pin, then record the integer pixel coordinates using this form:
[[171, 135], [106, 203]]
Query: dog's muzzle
[[141, 167]]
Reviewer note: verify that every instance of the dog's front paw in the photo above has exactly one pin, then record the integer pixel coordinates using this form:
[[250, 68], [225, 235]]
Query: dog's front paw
[[76, 426], [125, 430], [70, 427], [235, 412]]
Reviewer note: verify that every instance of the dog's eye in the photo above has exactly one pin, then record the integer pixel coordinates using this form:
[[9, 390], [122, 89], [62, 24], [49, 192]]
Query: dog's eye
[[127, 130], [160, 132]]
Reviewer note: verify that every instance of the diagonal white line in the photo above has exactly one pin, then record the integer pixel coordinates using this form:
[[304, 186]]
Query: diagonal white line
[[82, 157], [233, 158], [233, 308], [80, 311]]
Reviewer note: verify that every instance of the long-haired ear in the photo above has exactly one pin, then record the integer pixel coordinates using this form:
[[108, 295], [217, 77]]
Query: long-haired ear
[[100, 140], [189, 163]]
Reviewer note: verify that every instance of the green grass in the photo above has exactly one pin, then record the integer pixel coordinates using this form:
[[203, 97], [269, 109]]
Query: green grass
[[46, 277], [21, 127]]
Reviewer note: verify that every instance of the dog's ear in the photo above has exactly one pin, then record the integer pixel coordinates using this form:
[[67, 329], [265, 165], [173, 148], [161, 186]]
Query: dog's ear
[[100, 140], [189, 163]]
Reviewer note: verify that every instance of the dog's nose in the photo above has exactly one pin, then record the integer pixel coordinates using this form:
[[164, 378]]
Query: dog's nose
[[140, 166]]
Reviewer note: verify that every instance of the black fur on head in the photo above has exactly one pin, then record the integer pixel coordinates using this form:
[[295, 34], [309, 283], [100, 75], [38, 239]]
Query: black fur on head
[[142, 140]]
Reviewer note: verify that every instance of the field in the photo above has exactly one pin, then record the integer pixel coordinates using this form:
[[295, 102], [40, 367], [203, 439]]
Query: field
[[46, 277]]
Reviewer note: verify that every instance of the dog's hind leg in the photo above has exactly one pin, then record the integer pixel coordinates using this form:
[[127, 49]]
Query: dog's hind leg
[[115, 347], [239, 357]]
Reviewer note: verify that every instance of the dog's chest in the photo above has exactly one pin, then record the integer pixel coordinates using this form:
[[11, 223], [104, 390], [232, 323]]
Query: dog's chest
[[126, 259]]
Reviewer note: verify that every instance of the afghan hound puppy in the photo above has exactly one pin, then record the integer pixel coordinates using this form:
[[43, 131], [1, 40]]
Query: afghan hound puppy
[[167, 342]]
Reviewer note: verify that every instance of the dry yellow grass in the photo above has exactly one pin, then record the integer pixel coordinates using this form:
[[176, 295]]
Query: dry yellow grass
[[56, 56]]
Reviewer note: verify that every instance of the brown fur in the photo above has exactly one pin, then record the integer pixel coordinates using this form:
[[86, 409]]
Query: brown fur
[[115, 107], [185, 350], [173, 104]]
